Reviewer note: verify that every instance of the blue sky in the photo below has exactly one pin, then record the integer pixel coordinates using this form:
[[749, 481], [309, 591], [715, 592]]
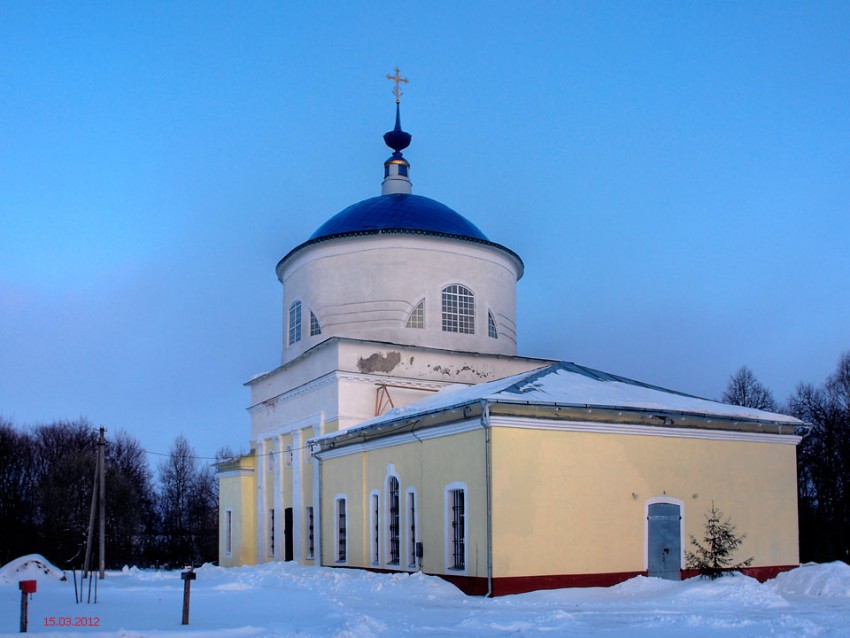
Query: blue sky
[[674, 175]]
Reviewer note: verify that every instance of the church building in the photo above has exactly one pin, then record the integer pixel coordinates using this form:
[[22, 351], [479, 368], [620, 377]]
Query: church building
[[402, 432]]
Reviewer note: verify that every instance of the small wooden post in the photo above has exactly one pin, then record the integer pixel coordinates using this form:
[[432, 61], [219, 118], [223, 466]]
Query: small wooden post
[[27, 587], [24, 611], [188, 576]]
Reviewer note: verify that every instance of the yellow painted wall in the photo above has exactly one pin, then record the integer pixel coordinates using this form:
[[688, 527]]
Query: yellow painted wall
[[428, 466], [236, 492], [575, 502]]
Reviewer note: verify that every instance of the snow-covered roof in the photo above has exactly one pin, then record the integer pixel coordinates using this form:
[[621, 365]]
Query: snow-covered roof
[[569, 385]]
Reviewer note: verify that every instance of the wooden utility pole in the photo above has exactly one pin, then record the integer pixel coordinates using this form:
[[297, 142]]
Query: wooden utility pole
[[98, 506], [101, 449]]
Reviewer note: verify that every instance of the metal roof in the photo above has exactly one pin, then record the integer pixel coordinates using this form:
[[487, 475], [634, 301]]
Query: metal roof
[[399, 212], [567, 391]]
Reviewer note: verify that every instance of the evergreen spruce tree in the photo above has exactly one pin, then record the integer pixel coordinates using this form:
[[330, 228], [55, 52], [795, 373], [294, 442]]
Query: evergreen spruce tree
[[714, 556]]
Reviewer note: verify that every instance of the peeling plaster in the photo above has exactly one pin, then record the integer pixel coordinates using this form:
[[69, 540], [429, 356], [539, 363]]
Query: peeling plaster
[[379, 362]]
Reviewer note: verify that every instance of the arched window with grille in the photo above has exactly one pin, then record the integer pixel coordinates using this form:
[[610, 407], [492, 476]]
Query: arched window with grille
[[375, 527], [341, 529], [491, 326], [393, 521], [416, 319], [455, 527], [458, 309], [295, 322], [411, 528]]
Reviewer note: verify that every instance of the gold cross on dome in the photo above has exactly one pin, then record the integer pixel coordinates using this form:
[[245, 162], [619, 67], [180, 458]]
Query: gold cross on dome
[[398, 80]]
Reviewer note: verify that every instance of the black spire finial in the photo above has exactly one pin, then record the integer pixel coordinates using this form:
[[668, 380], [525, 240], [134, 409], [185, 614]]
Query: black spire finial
[[397, 139]]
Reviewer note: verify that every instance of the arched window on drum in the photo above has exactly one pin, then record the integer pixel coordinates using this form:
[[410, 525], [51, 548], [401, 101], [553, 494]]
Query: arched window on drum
[[458, 309]]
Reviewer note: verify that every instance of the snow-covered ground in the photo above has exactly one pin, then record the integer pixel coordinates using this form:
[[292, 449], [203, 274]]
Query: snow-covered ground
[[288, 600]]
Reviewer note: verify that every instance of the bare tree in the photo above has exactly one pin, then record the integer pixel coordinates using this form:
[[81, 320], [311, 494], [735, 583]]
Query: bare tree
[[65, 458], [46, 482], [129, 502], [745, 390], [17, 493], [226, 453], [823, 465], [187, 506]]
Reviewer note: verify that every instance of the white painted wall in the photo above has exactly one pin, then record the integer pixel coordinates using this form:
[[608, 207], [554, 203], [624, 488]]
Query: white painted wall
[[366, 287], [339, 378]]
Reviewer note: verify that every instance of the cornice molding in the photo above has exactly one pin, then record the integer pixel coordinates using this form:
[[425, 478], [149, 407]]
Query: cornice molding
[[399, 439], [641, 430]]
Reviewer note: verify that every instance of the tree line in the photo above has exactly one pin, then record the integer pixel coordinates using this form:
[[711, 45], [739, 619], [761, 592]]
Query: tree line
[[46, 478], [823, 456]]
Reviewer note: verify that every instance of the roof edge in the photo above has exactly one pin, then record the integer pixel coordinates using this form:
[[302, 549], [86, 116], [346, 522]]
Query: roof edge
[[474, 408], [403, 231]]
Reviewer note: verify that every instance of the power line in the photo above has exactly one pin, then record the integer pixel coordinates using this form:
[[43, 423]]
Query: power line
[[191, 456]]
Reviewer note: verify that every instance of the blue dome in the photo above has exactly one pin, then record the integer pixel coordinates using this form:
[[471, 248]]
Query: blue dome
[[398, 212]]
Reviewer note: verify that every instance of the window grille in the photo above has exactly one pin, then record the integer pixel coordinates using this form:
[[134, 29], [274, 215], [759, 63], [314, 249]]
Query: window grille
[[392, 496], [228, 532], [458, 531], [411, 546], [340, 534], [458, 309], [315, 328], [376, 526], [417, 316], [491, 326], [271, 532], [295, 322], [310, 541]]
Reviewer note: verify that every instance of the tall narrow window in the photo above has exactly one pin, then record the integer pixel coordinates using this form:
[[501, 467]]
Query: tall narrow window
[[315, 328], [295, 322], [491, 326], [393, 507], [411, 540], [271, 532], [376, 528], [457, 531], [341, 554], [310, 542], [416, 319], [458, 309], [228, 532]]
